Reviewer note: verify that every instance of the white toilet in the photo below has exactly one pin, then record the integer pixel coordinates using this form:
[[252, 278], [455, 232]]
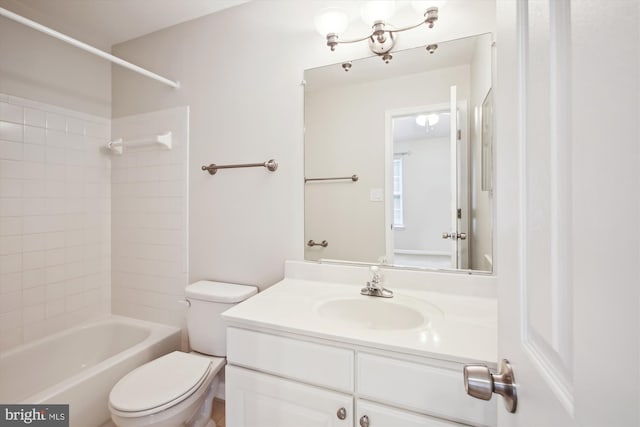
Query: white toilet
[[178, 388]]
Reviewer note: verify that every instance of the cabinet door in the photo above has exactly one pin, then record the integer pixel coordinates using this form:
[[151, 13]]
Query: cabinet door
[[370, 414], [260, 400]]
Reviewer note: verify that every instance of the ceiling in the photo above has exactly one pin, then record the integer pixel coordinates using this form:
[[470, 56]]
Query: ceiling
[[104, 23]]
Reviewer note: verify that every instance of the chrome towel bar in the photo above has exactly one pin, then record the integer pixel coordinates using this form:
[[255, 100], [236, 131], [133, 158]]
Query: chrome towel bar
[[271, 165], [353, 178]]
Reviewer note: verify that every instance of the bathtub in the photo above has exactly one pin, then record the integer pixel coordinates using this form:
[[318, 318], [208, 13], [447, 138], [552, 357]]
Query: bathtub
[[79, 366]]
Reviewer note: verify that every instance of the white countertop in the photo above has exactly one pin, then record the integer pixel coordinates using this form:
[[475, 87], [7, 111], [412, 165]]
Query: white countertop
[[459, 328]]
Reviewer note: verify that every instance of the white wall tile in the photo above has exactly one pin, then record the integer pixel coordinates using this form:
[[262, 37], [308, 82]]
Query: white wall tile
[[33, 260], [33, 278], [55, 155], [35, 117], [10, 283], [32, 170], [10, 187], [33, 153], [75, 126], [35, 135], [54, 257], [47, 216], [54, 307], [11, 169], [149, 221], [10, 207], [11, 131], [10, 302], [56, 138], [11, 226], [33, 206], [11, 150], [33, 313], [56, 122], [10, 245], [11, 113]]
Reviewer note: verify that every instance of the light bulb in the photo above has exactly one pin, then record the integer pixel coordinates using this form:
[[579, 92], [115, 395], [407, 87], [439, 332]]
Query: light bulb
[[331, 20], [432, 119], [377, 10]]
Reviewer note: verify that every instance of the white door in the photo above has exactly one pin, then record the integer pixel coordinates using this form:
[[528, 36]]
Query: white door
[[453, 161], [567, 174]]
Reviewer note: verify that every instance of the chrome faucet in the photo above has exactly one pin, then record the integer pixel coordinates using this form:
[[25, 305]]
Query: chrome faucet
[[375, 287]]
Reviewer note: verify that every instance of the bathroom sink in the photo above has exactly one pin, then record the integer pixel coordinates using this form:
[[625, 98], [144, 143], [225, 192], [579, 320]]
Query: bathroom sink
[[371, 313]]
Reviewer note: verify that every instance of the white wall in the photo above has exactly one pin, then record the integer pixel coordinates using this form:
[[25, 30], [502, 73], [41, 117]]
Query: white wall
[[149, 187], [54, 219], [240, 72], [354, 143], [481, 221], [38, 67]]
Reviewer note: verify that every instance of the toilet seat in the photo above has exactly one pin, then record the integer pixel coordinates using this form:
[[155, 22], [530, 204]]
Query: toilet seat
[[159, 384]]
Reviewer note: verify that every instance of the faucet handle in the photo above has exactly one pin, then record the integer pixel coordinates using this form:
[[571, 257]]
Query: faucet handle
[[376, 274]]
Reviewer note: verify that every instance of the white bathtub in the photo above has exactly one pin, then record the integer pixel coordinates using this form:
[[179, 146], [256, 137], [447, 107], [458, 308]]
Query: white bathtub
[[79, 366]]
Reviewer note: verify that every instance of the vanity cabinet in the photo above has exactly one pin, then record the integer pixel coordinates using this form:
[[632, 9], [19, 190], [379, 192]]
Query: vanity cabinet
[[275, 380], [371, 414], [256, 399]]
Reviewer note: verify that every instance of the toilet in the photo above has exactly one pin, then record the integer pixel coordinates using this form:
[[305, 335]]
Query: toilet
[[178, 388]]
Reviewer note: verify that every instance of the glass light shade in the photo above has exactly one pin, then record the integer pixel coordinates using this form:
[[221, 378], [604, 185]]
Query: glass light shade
[[421, 6], [331, 20], [423, 120], [377, 10]]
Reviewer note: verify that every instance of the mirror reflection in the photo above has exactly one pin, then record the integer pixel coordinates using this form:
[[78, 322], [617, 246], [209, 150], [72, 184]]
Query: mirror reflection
[[398, 159]]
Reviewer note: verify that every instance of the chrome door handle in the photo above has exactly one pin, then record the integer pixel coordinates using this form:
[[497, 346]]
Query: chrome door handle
[[364, 421], [342, 414], [480, 383], [461, 236]]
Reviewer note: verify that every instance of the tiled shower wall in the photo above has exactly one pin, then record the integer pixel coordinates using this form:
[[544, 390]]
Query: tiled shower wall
[[54, 219], [149, 189]]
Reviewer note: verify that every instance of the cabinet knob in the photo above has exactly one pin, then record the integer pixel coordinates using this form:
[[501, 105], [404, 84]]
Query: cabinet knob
[[364, 421], [342, 414]]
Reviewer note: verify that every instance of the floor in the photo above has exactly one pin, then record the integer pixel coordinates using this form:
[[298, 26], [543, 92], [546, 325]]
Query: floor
[[217, 414]]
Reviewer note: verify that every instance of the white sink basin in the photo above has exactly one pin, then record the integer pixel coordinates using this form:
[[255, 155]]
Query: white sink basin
[[371, 313]]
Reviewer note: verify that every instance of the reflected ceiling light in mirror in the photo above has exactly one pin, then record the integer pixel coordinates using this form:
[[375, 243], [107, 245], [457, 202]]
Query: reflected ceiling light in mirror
[[431, 120], [332, 22]]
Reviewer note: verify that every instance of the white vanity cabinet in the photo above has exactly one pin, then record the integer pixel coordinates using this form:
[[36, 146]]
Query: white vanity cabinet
[[255, 399], [276, 380]]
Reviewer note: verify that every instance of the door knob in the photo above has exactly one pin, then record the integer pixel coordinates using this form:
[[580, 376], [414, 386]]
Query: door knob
[[364, 421], [480, 383]]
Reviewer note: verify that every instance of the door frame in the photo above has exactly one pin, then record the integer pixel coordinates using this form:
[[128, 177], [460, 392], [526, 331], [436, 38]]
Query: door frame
[[388, 166]]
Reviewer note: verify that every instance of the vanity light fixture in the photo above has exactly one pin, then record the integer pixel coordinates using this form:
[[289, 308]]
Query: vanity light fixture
[[332, 22]]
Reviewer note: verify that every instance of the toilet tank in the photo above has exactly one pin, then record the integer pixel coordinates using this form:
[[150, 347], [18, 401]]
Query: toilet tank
[[207, 301]]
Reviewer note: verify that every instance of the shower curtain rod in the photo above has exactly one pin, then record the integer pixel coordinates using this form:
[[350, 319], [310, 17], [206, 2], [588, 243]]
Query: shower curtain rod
[[77, 43]]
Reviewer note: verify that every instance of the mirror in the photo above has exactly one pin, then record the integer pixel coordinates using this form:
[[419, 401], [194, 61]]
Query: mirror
[[398, 159]]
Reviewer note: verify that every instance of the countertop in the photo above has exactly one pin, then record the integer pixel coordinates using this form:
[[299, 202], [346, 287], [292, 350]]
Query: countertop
[[459, 328]]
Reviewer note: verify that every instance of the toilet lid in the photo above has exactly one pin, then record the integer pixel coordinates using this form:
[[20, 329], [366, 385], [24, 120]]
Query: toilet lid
[[168, 379]]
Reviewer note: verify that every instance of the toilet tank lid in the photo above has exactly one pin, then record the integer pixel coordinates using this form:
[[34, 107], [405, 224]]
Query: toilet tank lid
[[206, 290]]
